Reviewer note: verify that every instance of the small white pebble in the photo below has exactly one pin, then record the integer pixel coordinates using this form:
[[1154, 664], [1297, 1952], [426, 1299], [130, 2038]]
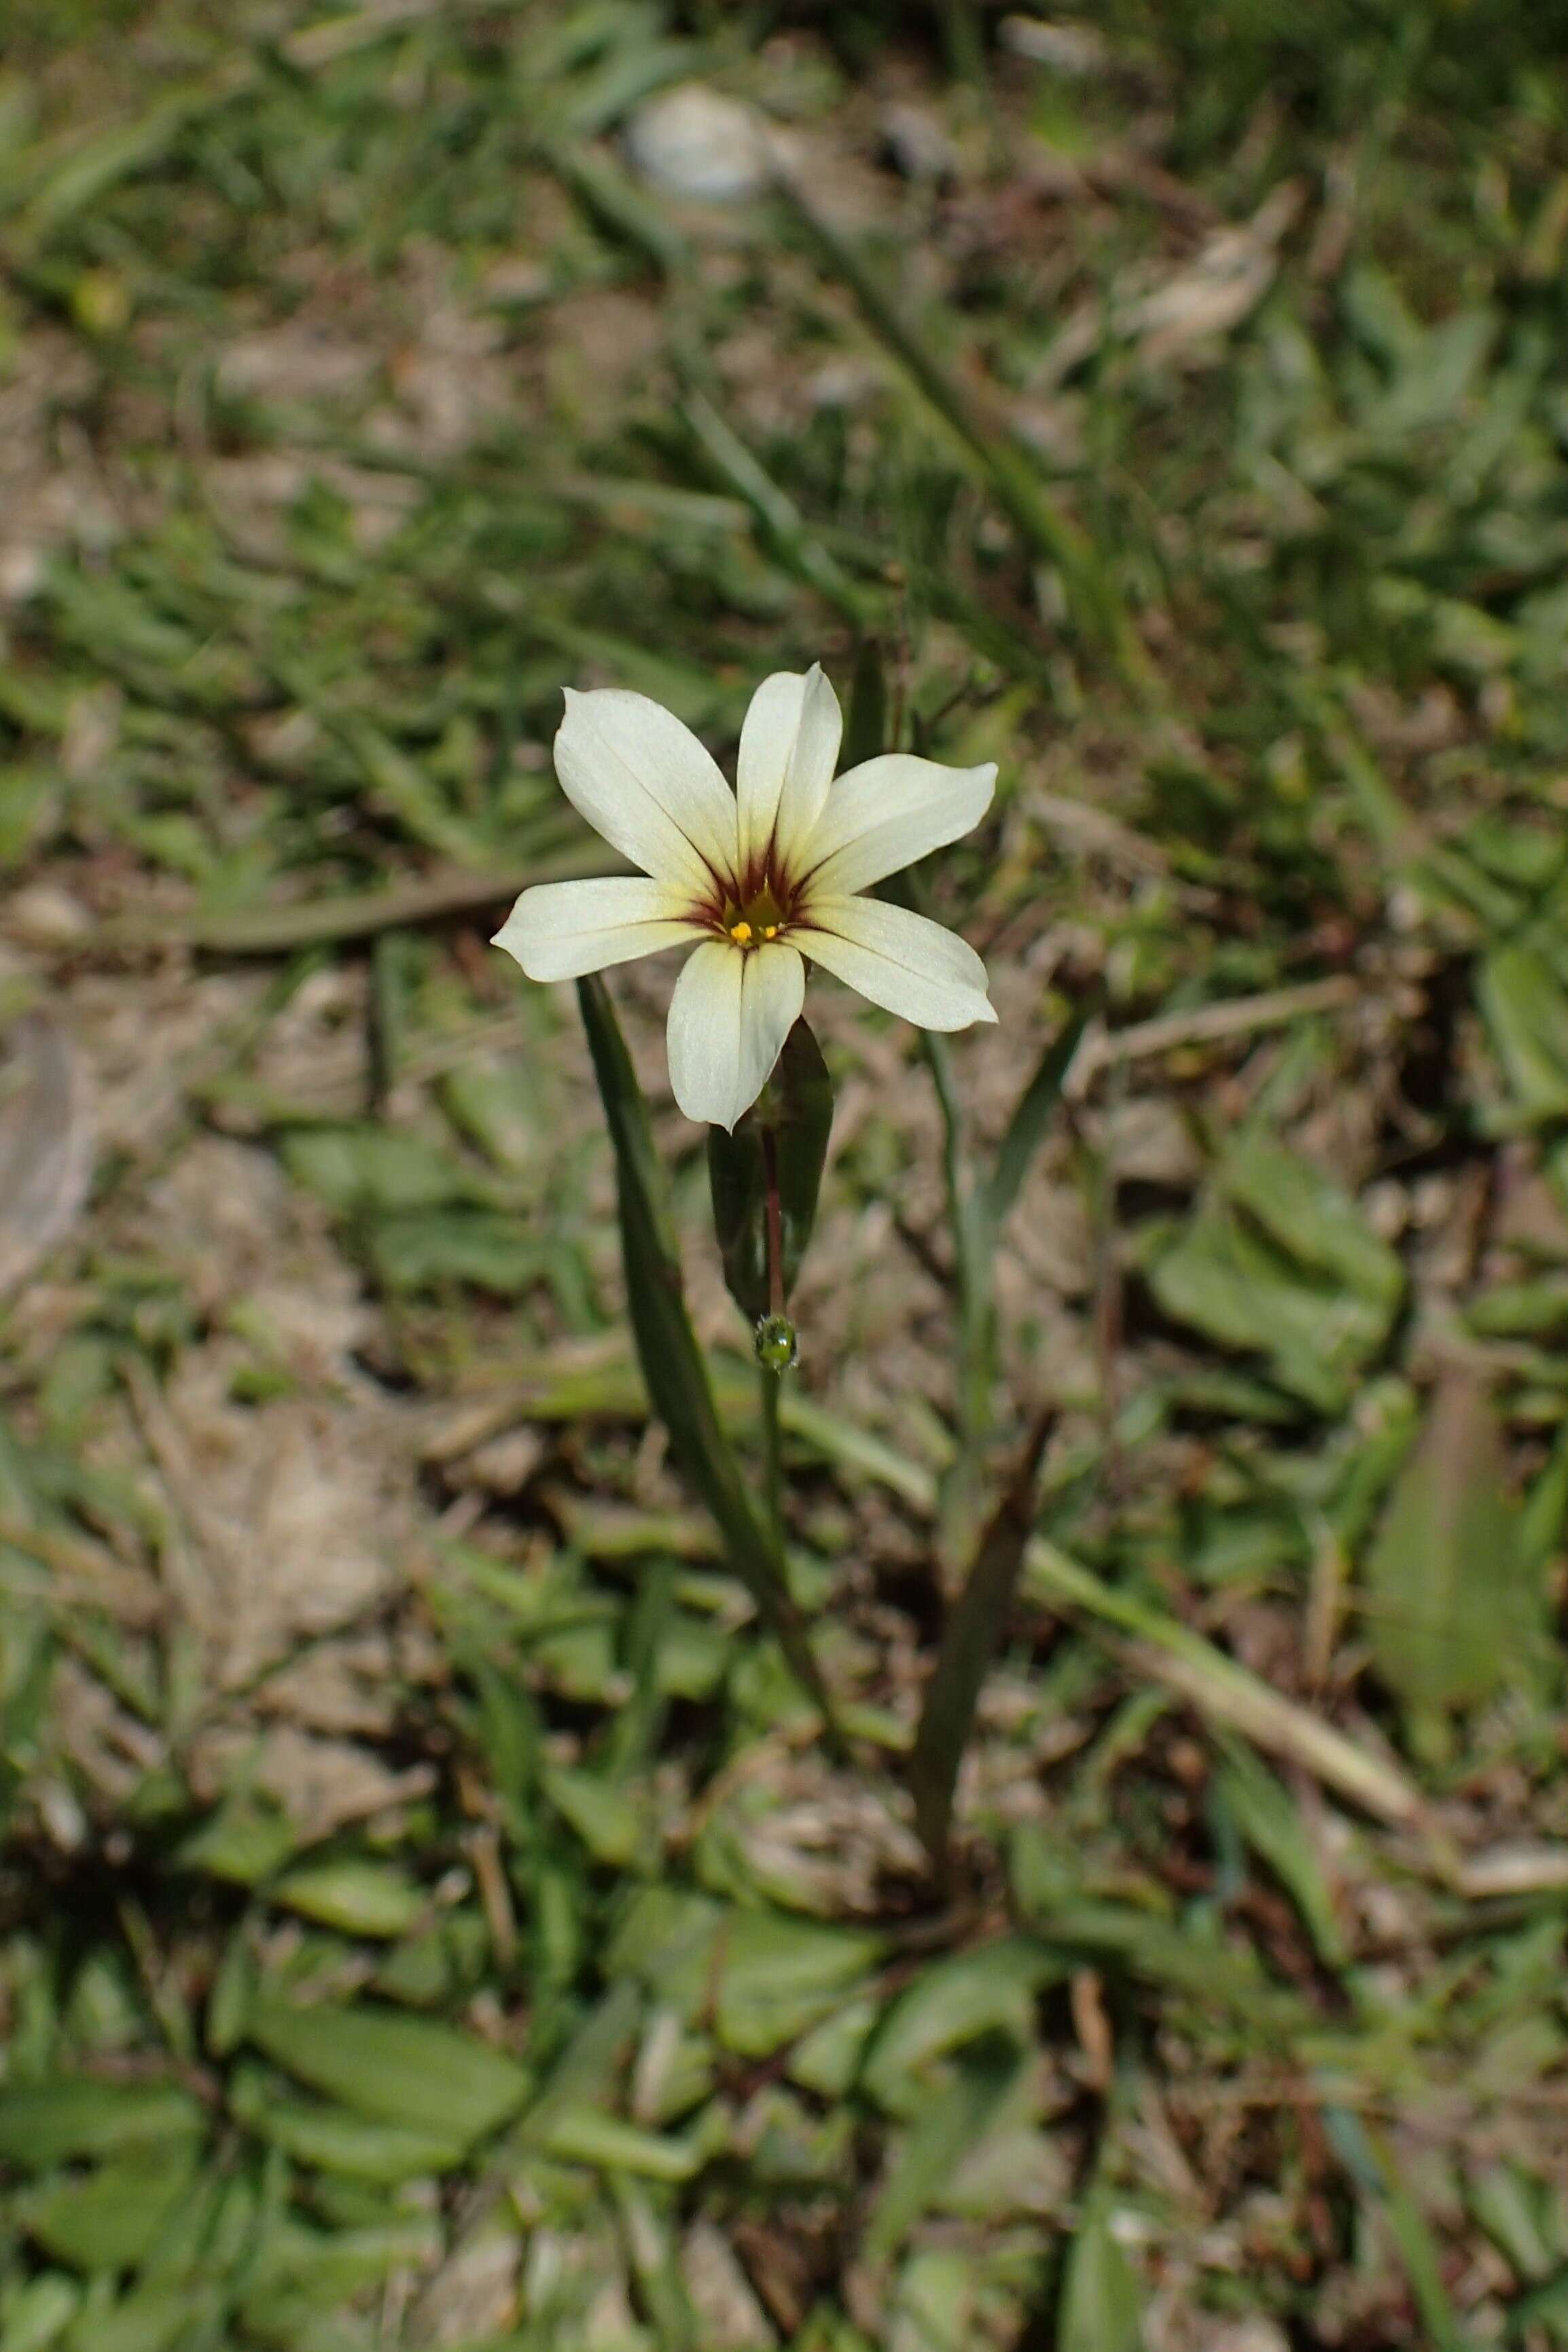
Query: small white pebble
[[696, 142], [44, 916]]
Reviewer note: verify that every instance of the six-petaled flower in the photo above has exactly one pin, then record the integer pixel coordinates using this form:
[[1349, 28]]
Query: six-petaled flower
[[761, 878]]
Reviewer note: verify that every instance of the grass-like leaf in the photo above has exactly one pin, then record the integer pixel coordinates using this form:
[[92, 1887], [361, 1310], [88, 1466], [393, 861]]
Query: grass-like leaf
[[969, 1643], [673, 1364]]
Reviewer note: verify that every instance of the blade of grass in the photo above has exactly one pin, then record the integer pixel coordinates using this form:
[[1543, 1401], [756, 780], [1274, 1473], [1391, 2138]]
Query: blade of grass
[[615, 204], [1092, 596], [974, 1244], [1185, 1661], [1369, 2161], [1030, 1120], [969, 1642], [786, 528]]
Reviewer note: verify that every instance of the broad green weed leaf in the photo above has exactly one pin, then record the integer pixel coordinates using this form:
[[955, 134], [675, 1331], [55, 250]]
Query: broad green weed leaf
[[430, 1969], [1307, 1214], [243, 1842], [356, 1896], [1522, 1311], [1516, 2211], [1231, 1281], [668, 1939], [587, 2136], [330, 2139], [488, 1102], [37, 2316], [827, 2059], [1449, 1612], [1101, 2299], [1379, 317], [425, 1249], [943, 2133], [1284, 1264], [934, 2302], [952, 2002], [112, 2219], [611, 1825], [1526, 1009], [778, 1976], [44, 2123], [152, 2315], [411, 2071], [303, 2276], [1543, 1520], [376, 1168]]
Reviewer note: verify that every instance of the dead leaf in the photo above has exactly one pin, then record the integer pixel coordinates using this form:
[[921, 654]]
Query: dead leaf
[[48, 1136]]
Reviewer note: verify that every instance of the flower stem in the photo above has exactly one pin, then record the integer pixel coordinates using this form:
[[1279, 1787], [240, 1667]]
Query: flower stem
[[775, 1223], [772, 1376], [772, 1449]]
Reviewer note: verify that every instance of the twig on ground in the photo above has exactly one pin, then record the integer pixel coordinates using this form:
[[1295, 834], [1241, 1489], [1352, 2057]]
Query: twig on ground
[[1102, 1048]]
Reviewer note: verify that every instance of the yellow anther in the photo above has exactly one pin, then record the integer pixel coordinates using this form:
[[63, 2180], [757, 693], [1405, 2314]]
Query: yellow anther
[[769, 930], [741, 934]]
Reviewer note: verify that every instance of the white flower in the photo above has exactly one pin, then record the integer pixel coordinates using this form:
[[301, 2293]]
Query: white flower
[[762, 878]]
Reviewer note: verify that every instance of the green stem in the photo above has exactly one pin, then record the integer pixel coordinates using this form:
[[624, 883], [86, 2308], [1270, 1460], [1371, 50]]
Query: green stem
[[775, 1216], [961, 38], [772, 1449]]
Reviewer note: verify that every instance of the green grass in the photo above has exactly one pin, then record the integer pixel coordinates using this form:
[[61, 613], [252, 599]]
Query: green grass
[[427, 1913]]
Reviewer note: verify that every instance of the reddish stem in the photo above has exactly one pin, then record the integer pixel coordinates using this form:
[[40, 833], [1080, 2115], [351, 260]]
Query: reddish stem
[[775, 1225]]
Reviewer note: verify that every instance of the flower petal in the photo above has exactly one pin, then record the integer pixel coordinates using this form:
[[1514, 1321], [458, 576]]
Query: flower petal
[[887, 813], [644, 781], [730, 1016], [901, 960], [788, 750], [558, 931]]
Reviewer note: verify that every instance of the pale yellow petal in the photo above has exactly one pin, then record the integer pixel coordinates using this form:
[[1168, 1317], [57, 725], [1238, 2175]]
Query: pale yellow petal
[[886, 814], [730, 1016], [557, 931], [644, 781], [900, 961], [788, 749]]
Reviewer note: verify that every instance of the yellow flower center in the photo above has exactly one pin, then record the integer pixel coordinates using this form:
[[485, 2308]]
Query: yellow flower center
[[761, 918]]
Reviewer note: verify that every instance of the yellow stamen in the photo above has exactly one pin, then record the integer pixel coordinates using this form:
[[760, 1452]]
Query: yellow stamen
[[769, 930], [741, 934]]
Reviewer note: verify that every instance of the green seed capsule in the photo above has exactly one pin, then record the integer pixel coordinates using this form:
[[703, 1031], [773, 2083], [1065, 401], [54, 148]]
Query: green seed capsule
[[777, 1343]]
